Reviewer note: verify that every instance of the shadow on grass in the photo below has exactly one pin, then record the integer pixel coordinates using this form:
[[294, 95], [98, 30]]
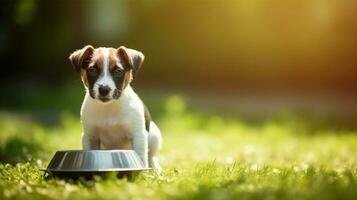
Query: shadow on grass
[[16, 149]]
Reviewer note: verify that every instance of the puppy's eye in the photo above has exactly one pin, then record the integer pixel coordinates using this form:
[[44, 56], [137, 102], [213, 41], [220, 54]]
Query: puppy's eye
[[92, 71], [117, 72]]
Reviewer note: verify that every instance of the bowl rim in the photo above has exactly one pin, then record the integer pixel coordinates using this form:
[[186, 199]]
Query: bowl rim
[[99, 150], [96, 170]]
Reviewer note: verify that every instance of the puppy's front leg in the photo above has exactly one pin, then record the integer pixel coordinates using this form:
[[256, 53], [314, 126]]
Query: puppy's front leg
[[140, 145], [90, 142]]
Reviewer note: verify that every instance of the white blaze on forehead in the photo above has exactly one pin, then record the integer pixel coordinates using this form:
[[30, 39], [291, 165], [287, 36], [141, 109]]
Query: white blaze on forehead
[[105, 52], [105, 77]]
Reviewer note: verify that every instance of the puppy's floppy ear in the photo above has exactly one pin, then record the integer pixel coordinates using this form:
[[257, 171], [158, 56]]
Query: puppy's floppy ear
[[131, 58], [81, 58]]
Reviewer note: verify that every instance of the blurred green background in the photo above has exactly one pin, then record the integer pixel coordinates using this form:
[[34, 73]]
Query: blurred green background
[[249, 57]]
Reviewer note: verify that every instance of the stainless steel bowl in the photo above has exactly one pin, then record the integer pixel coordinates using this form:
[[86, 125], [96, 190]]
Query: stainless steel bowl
[[77, 163]]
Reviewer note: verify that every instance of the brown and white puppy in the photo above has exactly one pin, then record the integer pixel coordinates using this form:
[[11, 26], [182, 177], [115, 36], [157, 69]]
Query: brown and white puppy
[[112, 114]]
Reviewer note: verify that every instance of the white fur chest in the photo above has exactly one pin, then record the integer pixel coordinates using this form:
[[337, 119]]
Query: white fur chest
[[113, 124]]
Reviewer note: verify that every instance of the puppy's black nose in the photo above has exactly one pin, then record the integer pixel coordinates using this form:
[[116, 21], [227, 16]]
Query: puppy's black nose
[[104, 90]]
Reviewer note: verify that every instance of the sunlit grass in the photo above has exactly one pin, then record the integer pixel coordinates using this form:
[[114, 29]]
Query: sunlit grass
[[204, 157]]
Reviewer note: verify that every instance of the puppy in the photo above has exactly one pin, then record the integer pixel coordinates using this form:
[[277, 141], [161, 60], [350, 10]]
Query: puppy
[[112, 114]]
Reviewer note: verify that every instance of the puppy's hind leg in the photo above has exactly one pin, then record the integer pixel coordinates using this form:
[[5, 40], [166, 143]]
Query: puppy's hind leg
[[155, 142]]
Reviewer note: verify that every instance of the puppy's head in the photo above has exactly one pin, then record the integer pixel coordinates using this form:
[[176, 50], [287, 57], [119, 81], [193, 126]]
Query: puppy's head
[[106, 72]]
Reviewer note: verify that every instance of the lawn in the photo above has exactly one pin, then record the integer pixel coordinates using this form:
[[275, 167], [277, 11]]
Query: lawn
[[205, 156]]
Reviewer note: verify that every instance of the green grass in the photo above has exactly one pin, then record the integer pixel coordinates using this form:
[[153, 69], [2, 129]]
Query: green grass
[[204, 157]]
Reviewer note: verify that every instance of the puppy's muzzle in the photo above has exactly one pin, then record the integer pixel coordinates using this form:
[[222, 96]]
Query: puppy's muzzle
[[104, 90]]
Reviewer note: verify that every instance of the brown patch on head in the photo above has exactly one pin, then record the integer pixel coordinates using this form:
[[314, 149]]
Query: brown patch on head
[[96, 62], [116, 62], [98, 59], [113, 59], [106, 69]]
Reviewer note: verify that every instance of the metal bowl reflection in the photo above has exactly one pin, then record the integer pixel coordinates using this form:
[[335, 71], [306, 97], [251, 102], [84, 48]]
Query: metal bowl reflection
[[77, 163]]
